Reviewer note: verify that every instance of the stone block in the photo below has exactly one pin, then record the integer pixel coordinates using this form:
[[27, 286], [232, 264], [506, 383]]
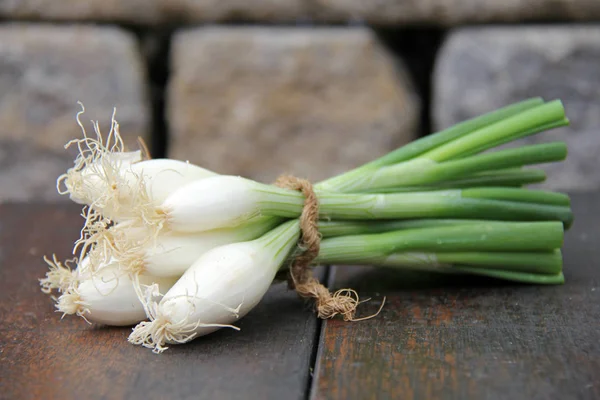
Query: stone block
[[44, 72], [454, 12], [482, 69], [127, 11], [259, 102]]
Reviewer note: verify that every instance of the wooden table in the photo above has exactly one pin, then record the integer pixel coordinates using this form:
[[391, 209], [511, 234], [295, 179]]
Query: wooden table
[[437, 337]]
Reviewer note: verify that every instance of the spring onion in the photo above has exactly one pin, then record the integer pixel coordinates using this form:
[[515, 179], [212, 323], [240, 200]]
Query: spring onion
[[450, 202]]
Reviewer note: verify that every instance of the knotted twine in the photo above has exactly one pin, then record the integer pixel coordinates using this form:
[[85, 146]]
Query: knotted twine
[[344, 301]]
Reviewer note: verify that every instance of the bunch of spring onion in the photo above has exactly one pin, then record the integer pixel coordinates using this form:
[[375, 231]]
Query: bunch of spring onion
[[193, 251]]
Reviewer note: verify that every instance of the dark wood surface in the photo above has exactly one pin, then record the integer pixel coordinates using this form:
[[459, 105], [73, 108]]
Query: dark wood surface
[[471, 338], [437, 337], [44, 357]]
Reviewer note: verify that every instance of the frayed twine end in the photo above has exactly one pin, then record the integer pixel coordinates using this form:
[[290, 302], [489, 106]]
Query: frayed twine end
[[343, 302]]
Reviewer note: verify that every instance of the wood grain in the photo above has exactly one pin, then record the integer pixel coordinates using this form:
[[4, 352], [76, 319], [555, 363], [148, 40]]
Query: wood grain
[[444, 337], [44, 357]]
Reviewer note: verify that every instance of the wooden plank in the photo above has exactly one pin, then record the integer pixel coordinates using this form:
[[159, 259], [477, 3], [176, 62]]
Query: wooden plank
[[471, 338], [42, 357]]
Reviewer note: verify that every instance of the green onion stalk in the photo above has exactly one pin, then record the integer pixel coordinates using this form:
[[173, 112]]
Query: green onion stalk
[[445, 203], [526, 252]]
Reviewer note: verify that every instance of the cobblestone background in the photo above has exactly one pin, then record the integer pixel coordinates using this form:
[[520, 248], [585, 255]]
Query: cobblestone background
[[286, 86]]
